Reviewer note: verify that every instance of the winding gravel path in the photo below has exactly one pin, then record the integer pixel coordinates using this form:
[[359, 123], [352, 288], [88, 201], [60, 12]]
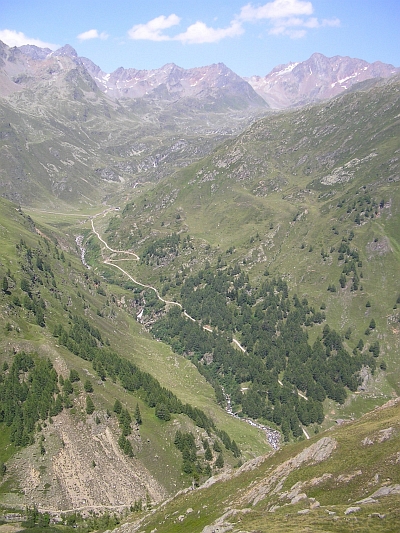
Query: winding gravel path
[[272, 435]]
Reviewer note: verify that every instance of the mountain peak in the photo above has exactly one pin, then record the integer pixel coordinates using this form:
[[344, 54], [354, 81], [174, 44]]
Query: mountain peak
[[35, 52], [65, 50], [317, 78]]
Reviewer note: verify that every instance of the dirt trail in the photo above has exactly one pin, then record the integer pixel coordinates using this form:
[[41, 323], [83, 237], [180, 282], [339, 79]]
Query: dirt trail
[[272, 436]]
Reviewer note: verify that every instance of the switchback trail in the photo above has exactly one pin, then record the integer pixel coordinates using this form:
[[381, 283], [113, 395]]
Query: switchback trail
[[111, 262], [273, 436]]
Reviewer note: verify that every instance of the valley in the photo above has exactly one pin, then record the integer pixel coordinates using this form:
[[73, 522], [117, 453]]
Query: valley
[[200, 298]]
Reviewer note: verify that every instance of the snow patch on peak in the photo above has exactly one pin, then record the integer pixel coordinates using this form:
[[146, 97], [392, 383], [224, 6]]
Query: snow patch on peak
[[288, 68]]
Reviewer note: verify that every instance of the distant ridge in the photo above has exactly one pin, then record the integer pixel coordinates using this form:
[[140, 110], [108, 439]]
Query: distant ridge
[[215, 83], [291, 85], [318, 78]]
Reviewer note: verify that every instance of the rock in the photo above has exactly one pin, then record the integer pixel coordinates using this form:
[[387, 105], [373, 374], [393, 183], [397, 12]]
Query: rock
[[274, 508], [367, 441], [386, 434], [367, 500], [385, 491], [351, 510], [303, 511], [298, 498], [315, 504]]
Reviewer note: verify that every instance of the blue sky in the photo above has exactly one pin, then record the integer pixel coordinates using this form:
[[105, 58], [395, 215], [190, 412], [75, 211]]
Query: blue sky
[[249, 37]]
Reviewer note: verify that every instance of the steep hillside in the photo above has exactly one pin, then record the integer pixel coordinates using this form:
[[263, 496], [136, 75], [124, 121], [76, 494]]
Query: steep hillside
[[72, 134], [64, 141], [89, 403], [346, 480], [190, 287], [309, 198]]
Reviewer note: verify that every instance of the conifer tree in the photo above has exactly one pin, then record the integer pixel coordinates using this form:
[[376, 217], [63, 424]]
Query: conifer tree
[[89, 405], [138, 416]]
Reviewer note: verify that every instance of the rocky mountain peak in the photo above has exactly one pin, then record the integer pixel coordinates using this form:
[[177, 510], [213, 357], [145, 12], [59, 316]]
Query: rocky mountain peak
[[65, 50], [35, 52], [317, 78], [290, 85]]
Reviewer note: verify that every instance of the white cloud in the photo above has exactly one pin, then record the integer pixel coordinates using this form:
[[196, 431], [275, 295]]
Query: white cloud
[[152, 30], [196, 33], [17, 38], [286, 17], [199, 33], [92, 34], [277, 9], [331, 22]]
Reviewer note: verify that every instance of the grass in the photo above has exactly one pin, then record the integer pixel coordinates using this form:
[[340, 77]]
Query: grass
[[262, 195], [356, 462], [77, 292], [7, 449]]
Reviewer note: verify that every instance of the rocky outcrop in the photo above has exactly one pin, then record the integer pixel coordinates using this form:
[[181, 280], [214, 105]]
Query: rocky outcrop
[[314, 454], [82, 469]]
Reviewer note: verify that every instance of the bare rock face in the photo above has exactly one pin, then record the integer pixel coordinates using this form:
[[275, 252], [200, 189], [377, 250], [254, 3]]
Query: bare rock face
[[83, 469], [318, 78], [314, 454]]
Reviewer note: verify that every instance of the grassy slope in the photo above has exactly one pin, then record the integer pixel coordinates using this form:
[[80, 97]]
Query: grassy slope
[[362, 461], [118, 325], [283, 192], [63, 142]]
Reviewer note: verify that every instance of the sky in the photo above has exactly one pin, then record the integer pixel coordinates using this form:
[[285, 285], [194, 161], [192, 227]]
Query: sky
[[251, 38]]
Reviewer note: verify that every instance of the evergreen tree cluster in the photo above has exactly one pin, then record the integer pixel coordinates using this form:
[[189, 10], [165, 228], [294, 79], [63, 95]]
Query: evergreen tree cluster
[[86, 342], [273, 328], [25, 289], [158, 249], [29, 393], [36, 272], [351, 261], [195, 464], [124, 420], [362, 205]]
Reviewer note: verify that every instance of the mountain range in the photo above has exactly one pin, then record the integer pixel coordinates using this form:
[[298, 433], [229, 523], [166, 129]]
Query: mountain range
[[200, 296], [290, 85]]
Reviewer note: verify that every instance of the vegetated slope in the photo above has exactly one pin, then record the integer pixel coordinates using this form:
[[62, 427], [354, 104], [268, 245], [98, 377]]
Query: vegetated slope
[[313, 197], [84, 425], [344, 480]]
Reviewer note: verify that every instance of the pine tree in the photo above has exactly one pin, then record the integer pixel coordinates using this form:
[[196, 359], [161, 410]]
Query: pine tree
[[117, 407], [138, 416], [74, 376], [208, 454], [87, 385], [89, 405], [5, 284], [219, 463], [162, 412]]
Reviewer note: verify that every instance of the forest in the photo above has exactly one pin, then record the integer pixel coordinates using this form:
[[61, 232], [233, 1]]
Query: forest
[[31, 392], [281, 377]]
